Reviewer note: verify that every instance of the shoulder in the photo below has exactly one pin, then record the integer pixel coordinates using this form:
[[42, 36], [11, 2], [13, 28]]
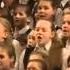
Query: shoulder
[[57, 44]]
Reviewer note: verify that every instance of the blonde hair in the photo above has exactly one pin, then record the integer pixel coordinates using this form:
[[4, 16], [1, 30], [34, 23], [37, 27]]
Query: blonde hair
[[6, 24]]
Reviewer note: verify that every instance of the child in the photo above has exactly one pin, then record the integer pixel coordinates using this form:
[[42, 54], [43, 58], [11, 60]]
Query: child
[[46, 10], [7, 56], [22, 28]]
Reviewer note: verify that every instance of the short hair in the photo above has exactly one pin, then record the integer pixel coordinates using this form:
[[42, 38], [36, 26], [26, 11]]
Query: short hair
[[43, 64], [24, 7], [8, 46], [43, 60], [52, 24], [53, 3]]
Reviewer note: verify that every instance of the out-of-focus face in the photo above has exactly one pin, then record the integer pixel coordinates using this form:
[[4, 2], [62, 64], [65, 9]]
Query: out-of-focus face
[[35, 62], [32, 38], [5, 60], [3, 33], [44, 32], [34, 65], [66, 25], [45, 10], [19, 17]]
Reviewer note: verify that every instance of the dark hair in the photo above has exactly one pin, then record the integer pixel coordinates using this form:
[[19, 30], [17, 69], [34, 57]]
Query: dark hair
[[31, 4], [14, 2], [53, 26], [24, 7], [58, 27], [53, 3]]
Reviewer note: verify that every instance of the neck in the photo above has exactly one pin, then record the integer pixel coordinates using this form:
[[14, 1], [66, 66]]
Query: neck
[[18, 28]]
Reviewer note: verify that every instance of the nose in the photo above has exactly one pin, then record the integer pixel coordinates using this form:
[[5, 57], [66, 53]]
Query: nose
[[41, 10], [39, 31], [17, 15]]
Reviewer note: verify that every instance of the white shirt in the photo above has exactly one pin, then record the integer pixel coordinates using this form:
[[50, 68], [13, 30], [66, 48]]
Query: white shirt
[[24, 30], [63, 2], [48, 46], [65, 55]]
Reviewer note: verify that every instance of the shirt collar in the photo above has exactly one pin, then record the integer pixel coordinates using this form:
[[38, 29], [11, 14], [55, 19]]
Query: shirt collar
[[63, 2], [24, 30], [48, 45]]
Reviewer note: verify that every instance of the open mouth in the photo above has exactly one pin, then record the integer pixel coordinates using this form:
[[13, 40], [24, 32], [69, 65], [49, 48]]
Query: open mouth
[[65, 30], [39, 37], [42, 15]]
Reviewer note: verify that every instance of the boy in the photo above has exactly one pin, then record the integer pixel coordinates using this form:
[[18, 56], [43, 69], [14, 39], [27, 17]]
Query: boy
[[7, 56]]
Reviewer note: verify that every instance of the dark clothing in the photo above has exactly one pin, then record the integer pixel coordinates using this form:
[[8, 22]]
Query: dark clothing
[[26, 56], [55, 56], [21, 36]]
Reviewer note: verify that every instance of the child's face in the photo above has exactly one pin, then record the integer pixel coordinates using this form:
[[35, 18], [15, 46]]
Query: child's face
[[5, 60], [44, 32], [45, 10], [19, 16], [3, 33], [32, 38], [66, 25]]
